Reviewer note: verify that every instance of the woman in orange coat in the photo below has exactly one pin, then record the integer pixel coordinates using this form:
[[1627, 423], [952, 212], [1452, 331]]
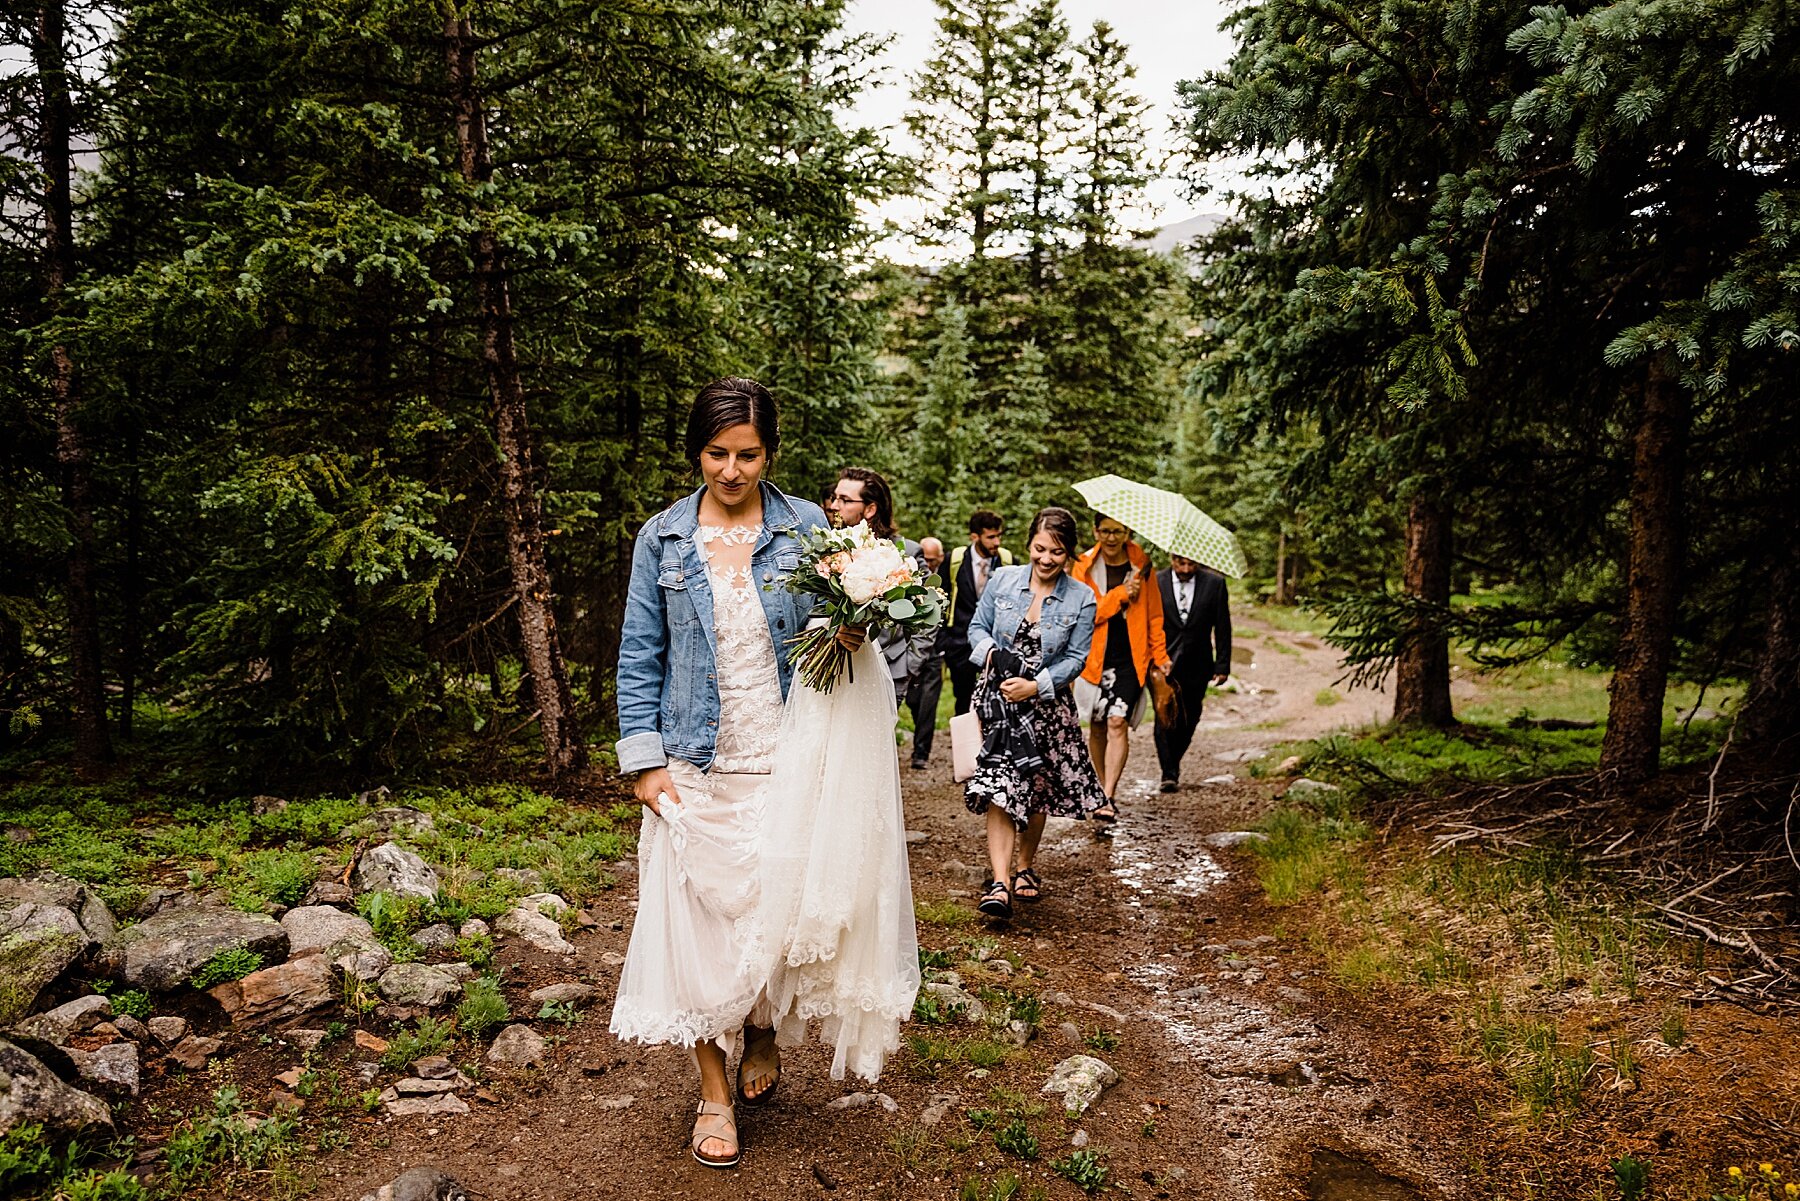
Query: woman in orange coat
[[1128, 644]]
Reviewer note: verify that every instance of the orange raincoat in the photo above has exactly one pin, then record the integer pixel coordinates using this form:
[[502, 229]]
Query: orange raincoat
[[1143, 619]]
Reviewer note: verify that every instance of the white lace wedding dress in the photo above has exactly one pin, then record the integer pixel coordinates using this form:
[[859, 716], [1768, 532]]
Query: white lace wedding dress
[[778, 891]]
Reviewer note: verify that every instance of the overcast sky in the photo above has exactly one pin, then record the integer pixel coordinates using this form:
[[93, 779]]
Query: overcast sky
[[1169, 40]]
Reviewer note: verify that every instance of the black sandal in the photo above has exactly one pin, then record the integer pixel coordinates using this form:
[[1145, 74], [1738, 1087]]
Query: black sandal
[[996, 902], [1106, 819], [1027, 879]]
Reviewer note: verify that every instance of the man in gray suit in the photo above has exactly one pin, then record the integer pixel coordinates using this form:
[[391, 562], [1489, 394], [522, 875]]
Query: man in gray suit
[[1197, 625], [863, 495]]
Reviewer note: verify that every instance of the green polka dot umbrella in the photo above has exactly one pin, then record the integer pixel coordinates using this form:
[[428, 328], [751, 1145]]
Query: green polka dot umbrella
[[1166, 519]]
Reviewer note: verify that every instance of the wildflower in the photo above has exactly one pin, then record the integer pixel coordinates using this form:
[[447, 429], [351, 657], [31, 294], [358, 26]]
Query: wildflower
[[1735, 1173], [1791, 1189], [1766, 1168]]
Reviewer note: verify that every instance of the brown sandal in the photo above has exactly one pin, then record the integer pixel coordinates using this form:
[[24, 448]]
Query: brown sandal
[[761, 1058], [716, 1121]]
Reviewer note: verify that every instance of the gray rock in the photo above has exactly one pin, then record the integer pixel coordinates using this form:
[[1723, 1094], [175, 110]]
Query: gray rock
[[193, 1051], [30, 1094], [863, 1100], [419, 1107], [1226, 839], [571, 993], [1196, 992], [612, 959], [1056, 998], [1078, 1139], [618, 1101], [328, 892], [76, 1017], [1103, 1010], [113, 1067], [163, 950], [938, 1108], [957, 1001], [392, 868], [438, 937], [1245, 755], [316, 927], [48, 887], [462, 971], [1071, 1034], [131, 1028], [283, 991], [544, 902], [400, 819], [412, 1086], [417, 984], [1080, 1079], [434, 1067], [168, 1030], [262, 806], [37, 944], [518, 1046], [1304, 787], [475, 928], [363, 958], [304, 1037], [914, 837], [525, 877], [420, 1184], [1017, 1033], [535, 929]]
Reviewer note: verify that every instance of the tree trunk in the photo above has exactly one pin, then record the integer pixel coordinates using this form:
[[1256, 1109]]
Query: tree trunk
[[563, 746], [1771, 712], [1422, 668], [1281, 596], [74, 466], [1633, 742]]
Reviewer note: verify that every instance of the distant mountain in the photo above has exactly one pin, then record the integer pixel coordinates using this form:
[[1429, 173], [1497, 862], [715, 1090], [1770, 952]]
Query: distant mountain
[[1170, 236]]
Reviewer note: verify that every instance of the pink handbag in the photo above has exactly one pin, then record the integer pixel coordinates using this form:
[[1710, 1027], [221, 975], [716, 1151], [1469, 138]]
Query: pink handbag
[[965, 745]]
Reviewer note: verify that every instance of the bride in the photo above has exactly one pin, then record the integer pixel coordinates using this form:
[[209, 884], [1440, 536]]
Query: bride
[[773, 884]]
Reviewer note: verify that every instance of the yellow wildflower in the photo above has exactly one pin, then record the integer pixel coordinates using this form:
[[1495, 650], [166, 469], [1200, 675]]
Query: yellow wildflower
[[1734, 1172]]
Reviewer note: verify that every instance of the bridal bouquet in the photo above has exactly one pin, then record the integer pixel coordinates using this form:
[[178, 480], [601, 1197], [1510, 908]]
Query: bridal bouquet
[[863, 581]]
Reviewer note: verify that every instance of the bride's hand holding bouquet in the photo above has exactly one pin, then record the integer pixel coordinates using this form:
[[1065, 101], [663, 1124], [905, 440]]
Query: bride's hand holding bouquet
[[865, 585]]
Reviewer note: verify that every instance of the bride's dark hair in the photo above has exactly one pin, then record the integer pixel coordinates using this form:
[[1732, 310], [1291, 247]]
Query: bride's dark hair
[[1056, 521], [731, 401]]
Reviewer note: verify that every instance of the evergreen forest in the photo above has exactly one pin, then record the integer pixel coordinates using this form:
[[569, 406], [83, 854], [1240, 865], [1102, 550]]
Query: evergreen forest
[[346, 347]]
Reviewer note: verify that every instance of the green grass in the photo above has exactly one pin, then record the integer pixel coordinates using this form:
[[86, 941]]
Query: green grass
[[227, 1137], [482, 1007], [1327, 696], [1083, 1168], [945, 913], [427, 1037], [232, 964]]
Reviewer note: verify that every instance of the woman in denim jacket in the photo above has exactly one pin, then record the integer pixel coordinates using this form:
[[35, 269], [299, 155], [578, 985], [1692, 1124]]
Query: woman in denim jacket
[[1046, 619], [703, 672]]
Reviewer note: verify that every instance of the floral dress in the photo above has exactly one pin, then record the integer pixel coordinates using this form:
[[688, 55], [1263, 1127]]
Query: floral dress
[[1065, 786]]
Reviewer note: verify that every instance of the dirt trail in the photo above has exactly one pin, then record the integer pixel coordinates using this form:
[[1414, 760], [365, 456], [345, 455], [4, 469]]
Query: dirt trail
[[1242, 1077]]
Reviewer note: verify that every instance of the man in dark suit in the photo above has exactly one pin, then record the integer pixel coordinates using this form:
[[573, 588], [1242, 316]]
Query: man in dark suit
[[966, 575], [1197, 624], [927, 682]]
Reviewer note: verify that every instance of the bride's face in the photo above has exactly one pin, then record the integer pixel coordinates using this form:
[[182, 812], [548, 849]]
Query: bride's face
[[732, 463]]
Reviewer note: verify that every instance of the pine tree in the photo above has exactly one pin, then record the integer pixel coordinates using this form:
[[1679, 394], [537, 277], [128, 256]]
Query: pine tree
[[1041, 123]]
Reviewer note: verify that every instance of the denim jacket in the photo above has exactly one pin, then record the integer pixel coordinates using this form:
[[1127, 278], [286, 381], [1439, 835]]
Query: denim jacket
[[1065, 624], [668, 690]]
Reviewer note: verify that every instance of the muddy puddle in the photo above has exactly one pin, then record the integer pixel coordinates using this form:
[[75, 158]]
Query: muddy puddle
[[1339, 1177]]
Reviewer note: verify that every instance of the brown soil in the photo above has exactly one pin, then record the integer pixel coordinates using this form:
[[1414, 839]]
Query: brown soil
[[1246, 1073]]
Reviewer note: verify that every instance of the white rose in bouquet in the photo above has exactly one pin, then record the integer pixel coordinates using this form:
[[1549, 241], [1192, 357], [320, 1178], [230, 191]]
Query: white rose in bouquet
[[872, 571]]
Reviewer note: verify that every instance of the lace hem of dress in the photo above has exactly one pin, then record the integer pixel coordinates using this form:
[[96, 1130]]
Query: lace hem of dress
[[631, 1023]]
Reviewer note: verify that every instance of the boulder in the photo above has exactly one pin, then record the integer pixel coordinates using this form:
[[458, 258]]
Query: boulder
[[113, 1067], [328, 892], [519, 1046], [536, 929], [958, 1002], [37, 943], [1080, 1079], [434, 1067], [131, 1028], [420, 1184], [474, 928], [193, 1051], [543, 902], [305, 1037], [417, 984], [390, 867], [1305, 788], [76, 1017], [315, 927], [168, 1030], [53, 888], [439, 937], [402, 819], [571, 993], [363, 958], [284, 991], [524, 877], [30, 1094], [163, 950]]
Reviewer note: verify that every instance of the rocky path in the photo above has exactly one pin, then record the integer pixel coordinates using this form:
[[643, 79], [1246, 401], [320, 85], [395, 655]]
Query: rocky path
[[1241, 1077]]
